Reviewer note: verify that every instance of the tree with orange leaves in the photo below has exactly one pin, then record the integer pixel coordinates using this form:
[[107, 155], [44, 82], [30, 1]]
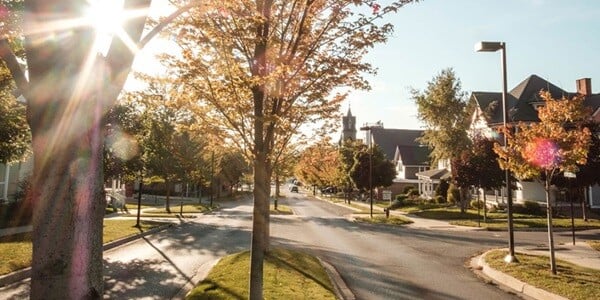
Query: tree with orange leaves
[[540, 151]]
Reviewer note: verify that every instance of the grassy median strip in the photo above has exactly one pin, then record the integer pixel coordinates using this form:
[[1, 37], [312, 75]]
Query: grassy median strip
[[572, 281], [15, 250], [378, 219], [497, 221], [493, 224], [281, 210], [287, 275]]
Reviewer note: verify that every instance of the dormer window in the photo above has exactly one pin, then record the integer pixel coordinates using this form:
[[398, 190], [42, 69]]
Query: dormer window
[[537, 105]]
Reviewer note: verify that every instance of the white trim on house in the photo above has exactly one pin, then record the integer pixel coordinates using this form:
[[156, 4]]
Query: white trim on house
[[4, 183]]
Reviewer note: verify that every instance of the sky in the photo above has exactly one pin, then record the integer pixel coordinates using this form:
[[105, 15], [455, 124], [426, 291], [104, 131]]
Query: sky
[[556, 40]]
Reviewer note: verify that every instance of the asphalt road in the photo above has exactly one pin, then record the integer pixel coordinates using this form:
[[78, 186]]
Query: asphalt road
[[376, 262], [381, 262]]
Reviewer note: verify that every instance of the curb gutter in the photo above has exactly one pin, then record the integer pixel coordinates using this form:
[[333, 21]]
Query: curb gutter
[[513, 283], [341, 290]]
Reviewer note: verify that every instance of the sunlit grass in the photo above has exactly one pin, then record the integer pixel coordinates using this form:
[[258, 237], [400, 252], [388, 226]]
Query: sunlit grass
[[531, 223], [594, 244], [572, 281], [378, 219], [287, 275], [281, 210], [15, 250]]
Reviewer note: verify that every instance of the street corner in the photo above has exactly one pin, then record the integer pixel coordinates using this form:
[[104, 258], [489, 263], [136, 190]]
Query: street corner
[[342, 291], [506, 282]]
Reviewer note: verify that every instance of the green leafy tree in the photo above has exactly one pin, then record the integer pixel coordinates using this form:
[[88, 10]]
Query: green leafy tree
[[586, 175], [348, 151], [232, 166], [383, 171], [15, 137], [478, 167], [122, 148], [284, 166], [444, 110], [559, 142]]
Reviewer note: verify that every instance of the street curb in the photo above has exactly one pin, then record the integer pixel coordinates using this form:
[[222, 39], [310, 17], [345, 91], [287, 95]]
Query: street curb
[[26, 273], [200, 275], [511, 282], [341, 290], [338, 204]]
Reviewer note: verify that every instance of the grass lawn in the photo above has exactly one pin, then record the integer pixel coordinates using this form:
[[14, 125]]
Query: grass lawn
[[498, 220], [287, 275], [392, 220], [572, 281], [281, 210], [133, 206], [531, 223], [411, 209], [176, 209], [15, 250], [594, 244]]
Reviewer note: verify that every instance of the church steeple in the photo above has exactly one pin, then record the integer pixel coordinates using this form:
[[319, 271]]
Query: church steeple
[[348, 126]]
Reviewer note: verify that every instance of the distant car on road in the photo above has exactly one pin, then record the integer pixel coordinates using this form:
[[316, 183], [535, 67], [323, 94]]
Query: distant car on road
[[294, 188]]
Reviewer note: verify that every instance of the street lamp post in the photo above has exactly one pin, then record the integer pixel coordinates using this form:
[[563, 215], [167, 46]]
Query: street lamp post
[[368, 128], [493, 47]]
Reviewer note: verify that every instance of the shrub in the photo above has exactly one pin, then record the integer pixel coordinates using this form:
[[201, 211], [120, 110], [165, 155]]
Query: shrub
[[401, 197], [442, 189], [412, 193], [23, 187], [532, 208], [438, 199], [399, 201], [396, 204], [407, 189], [453, 195], [493, 209], [476, 204]]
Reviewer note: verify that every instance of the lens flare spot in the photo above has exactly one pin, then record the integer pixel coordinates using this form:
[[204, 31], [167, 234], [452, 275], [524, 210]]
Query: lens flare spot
[[543, 153], [122, 145]]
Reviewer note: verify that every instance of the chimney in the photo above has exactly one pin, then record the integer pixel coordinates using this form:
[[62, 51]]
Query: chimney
[[584, 86]]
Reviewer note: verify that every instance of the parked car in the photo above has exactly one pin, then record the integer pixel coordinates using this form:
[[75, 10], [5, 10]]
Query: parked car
[[329, 190], [294, 189]]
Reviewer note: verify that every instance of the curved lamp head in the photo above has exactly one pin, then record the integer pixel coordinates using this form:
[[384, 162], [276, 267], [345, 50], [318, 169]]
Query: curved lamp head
[[489, 46]]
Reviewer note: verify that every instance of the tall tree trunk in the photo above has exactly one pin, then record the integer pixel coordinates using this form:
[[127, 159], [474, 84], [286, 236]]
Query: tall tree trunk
[[484, 207], [550, 228], [64, 113], [260, 217], [168, 196]]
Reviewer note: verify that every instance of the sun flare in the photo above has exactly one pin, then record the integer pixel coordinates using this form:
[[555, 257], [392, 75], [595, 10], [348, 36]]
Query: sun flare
[[106, 17]]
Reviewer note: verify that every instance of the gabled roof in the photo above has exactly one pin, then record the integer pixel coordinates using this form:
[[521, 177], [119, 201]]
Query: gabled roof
[[413, 155], [490, 104], [389, 139], [435, 174], [521, 100], [593, 102], [529, 89]]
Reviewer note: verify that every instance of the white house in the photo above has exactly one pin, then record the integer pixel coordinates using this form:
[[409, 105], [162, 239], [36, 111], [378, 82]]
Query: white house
[[522, 104]]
